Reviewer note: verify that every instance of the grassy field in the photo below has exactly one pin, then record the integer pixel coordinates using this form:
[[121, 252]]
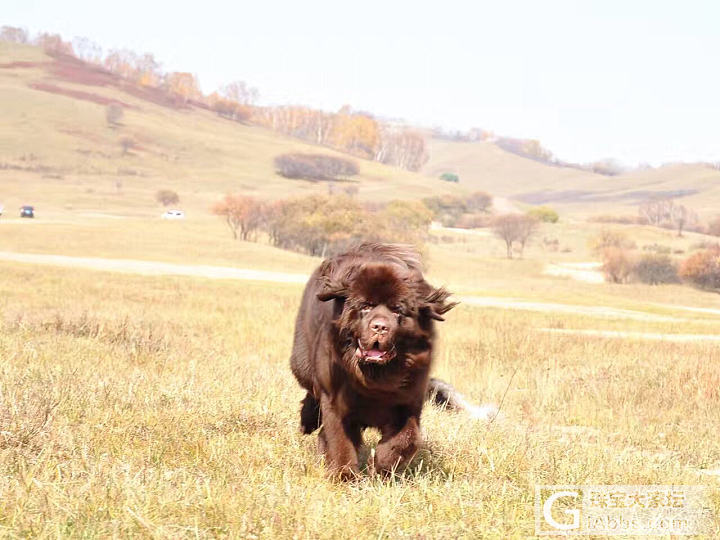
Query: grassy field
[[164, 407]]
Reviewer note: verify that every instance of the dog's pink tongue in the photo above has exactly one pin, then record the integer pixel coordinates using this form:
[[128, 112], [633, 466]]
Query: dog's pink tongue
[[374, 352]]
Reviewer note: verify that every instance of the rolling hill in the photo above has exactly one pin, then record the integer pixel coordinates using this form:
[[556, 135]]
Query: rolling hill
[[485, 166], [58, 150]]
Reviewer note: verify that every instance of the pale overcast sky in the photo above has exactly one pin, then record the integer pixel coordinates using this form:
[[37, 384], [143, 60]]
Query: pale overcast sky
[[630, 79]]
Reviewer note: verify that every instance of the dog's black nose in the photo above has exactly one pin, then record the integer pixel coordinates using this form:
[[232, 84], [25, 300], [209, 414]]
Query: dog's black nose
[[379, 325]]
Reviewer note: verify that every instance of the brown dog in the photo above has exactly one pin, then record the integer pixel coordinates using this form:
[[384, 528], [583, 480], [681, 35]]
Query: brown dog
[[363, 349]]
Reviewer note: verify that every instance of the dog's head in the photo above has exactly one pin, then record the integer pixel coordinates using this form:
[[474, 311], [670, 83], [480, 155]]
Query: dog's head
[[383, 309]]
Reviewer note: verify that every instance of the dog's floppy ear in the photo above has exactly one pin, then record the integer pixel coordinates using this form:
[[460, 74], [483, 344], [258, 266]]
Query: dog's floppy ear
[[435, 304], [330, 286]]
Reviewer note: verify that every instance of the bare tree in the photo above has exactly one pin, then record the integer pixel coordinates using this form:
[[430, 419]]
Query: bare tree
[[87, 50], [13, 34], [242, 213], [513, 228], [240, 92], [682, 217]]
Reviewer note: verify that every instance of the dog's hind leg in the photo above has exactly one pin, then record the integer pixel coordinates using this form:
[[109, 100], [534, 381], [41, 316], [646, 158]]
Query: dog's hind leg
[[310, 416]]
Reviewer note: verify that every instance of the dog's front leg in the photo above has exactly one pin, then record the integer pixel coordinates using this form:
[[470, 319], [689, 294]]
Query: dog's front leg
[[338, 441], [397, 446]]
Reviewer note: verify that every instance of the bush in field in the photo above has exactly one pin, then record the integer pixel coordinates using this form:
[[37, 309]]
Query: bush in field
[[657, 248], [544, 214], [167, 197], [450, 177], [610, 239], [617, 265], [713, 227], [655, 269], [114, 114], [702, 269], [314, 166], [449, 209], [327, 225]]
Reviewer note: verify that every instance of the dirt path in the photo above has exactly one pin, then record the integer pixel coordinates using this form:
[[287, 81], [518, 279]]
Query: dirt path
[[681, 338], [154, 268], [571, 309], [589, 272]]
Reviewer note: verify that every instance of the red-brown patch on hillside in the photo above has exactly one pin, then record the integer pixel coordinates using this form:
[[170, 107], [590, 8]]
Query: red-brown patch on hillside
[[77, 94], [71, 69]]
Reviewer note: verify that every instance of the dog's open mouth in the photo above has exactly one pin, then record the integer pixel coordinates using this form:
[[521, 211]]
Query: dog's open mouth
[[373, 354]]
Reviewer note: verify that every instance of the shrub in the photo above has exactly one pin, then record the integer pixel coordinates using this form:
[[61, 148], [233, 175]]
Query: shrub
[[617, 264], [327, 225], [610, 239], [450, 177], [544, 214], [114, 114], [314, 166], [167, 197], [702, 269], [713, 227], [657, 248], [654, 269]]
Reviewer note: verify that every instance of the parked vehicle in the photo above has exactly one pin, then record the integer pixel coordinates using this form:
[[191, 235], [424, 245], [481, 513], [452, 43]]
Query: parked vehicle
[[1, 209], [27, 211], [174, 214]]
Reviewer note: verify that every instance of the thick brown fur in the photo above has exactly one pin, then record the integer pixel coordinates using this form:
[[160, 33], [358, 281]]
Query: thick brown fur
[[362, 350]]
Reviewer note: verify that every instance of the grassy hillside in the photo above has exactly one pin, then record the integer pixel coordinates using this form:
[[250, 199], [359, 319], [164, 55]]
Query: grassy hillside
[[483, 165], [57, 150]]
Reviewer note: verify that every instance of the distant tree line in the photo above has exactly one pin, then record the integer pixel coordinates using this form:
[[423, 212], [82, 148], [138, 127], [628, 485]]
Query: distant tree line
[[323, 225]]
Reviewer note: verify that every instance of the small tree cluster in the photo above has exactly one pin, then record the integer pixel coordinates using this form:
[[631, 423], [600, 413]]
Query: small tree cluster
[[167, 197], [514, 229], [459, 211], [665, 212], [315, 166], [702, 269], [324, 225]]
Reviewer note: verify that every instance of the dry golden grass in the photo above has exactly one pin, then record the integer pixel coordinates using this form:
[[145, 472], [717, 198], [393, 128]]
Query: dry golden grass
[[164, 407]]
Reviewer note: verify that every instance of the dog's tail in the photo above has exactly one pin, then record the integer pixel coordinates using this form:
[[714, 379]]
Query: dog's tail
[[445, 395]]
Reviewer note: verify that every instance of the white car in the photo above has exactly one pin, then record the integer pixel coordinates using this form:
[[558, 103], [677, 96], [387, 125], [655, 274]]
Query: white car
[[174, 214]]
